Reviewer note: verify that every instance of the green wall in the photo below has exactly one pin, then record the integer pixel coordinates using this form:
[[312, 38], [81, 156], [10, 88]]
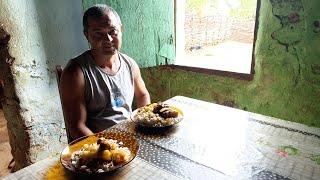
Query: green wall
[[287, 71], [148, 29], [287, 68]]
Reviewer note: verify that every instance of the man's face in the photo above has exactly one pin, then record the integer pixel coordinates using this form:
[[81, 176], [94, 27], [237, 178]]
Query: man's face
[[104, 34]]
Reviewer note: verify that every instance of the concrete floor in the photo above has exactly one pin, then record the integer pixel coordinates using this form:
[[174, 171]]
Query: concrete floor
[[5, 150]]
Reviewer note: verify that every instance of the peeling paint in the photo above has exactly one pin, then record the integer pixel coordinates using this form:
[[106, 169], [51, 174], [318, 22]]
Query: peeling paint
[[291, 16], [11, 104], [4, 41], [42, 34], [286, 84]]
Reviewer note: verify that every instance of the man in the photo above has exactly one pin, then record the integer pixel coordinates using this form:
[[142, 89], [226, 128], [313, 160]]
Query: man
[[97, 87]]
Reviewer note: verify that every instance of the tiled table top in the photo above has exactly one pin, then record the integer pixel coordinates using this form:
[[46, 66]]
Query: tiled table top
[[271, 145], [51, 168], [215, 142], [236, 144]]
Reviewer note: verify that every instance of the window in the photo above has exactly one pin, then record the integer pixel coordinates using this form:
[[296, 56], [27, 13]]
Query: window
[[216, 34], [202, 35]]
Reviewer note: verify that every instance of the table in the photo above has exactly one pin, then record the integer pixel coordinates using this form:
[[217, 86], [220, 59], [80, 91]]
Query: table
[[212, 142]]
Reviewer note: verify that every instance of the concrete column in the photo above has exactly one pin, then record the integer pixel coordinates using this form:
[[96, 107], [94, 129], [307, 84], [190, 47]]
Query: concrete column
[[35, 35]]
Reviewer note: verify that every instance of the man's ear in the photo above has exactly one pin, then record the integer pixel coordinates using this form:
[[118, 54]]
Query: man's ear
[[121, 28], [85, 34]]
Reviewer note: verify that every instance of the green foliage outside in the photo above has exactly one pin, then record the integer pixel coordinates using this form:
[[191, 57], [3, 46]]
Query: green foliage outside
[[196, 5], [246, 9], [316, 158], [238, 8]]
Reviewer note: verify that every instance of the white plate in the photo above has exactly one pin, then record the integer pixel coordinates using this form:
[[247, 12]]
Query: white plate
[[164, 122]]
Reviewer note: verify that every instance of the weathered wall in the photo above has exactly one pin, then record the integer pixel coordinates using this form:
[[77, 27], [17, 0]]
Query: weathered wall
[[287, 79], [148, 29], [36, 35]]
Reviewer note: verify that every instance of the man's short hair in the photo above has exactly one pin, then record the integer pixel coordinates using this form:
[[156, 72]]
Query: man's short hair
[[96, 12]]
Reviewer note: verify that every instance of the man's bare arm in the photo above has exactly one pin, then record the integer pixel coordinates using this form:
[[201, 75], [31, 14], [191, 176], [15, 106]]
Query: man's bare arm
[[141, 93], [72, 88]]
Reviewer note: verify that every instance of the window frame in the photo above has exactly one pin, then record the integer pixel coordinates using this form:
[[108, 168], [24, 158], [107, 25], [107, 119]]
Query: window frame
[[236, 75]]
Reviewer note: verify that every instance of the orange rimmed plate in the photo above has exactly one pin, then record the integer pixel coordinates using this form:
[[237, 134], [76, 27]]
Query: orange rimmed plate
[[128, 141]]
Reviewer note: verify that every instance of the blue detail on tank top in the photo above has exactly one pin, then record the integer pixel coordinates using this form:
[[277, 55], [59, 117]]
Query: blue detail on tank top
[[118, 102], [117, 98]]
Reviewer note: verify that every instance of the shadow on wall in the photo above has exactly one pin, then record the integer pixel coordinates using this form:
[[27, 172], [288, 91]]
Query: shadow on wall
[[1, 93], [60, 22]]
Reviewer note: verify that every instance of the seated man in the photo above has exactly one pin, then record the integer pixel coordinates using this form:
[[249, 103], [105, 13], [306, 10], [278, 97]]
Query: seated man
[[98, 86]]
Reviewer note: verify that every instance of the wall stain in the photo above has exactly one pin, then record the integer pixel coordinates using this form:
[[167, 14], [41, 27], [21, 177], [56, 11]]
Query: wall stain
[[19, 139], [316, 69], [286, 80], [291, 16], [4, 49]]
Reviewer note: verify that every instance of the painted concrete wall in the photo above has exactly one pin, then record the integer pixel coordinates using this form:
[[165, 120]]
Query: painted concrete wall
[[148, 29], [36, 35], [287, 80]]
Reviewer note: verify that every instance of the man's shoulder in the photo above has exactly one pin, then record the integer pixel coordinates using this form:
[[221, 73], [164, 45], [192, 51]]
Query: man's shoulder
[[77, 60], [74, 64], [126, 56], [81, 56], [128, 59]]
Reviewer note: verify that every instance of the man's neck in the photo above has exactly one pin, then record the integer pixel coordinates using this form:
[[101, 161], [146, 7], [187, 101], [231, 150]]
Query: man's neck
[[109, 63]]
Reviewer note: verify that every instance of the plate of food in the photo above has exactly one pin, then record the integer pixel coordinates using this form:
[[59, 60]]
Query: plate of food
[[157, 115], [100, 153]]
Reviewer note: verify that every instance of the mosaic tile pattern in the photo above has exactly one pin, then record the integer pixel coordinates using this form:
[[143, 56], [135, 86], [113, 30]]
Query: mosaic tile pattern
[[217, 142], [234, 142], [138, 169]]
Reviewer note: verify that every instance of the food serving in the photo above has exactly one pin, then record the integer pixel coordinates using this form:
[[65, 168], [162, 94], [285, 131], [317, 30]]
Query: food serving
[[157, 115], [102, 156]]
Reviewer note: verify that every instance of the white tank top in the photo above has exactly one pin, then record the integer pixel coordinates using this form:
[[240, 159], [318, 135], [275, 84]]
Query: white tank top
[[108, 96]]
